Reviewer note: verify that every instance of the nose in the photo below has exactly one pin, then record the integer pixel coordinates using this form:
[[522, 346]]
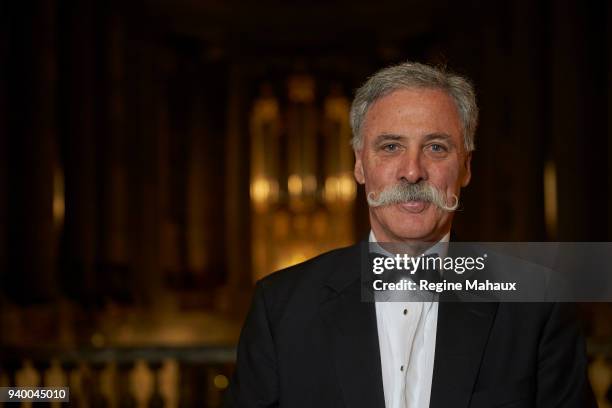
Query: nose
[[411, 168]]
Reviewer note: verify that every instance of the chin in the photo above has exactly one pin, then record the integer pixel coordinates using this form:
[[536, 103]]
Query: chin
[[414, 234]]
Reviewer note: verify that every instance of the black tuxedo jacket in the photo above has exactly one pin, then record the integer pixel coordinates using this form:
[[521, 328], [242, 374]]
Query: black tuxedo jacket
[[309, 341]]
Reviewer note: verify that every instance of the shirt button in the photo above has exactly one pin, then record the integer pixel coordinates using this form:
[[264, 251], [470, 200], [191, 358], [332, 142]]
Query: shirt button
[[405, 311], [402, 368]]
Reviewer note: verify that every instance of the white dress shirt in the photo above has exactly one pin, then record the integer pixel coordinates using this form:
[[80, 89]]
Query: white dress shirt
[[407, 341]]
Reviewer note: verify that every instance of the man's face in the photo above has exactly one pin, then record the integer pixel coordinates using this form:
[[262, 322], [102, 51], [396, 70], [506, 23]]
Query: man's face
[[412, 135]]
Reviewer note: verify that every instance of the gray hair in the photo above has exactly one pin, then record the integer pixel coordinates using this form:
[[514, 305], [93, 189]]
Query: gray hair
[[414, 75]]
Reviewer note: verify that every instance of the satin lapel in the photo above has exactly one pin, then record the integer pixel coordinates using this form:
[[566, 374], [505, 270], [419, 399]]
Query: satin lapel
[[462, 335], [354, 340]]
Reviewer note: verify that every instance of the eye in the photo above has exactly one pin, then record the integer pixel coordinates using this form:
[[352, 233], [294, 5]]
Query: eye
[[437, 148], [390, 147]]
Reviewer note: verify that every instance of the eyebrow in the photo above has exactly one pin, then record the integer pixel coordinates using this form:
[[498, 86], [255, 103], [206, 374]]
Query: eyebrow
[[431, 136], [387, 136]]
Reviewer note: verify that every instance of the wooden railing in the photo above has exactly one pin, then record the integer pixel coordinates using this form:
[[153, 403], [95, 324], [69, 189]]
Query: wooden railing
[[124, 377], [170, 376], [600, 371]]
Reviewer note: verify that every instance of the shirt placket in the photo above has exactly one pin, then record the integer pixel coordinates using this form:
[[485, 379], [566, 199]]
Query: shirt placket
[[409, 316]]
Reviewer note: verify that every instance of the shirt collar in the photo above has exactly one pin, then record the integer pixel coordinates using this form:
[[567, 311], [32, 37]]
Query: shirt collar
[[440, 248]]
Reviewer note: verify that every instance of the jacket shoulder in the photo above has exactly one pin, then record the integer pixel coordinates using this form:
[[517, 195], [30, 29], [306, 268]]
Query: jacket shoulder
[[314, 270], [299, 287]]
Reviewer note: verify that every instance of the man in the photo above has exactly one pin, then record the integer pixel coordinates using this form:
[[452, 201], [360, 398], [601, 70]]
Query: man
[[310, 340]]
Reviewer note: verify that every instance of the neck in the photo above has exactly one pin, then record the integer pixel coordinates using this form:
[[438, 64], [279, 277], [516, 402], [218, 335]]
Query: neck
[[410, 245]]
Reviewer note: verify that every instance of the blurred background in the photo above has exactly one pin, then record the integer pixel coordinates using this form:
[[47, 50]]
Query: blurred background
[[157, 157]]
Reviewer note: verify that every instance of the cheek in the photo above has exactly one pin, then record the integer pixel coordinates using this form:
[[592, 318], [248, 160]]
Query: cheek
[[447, 177], [377, 174]]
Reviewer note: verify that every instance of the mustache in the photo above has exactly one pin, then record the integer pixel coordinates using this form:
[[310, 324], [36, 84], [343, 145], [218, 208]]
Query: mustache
[[404, 191]]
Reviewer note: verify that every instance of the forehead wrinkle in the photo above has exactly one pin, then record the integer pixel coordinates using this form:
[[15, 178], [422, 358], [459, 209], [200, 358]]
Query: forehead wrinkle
[[389, 136], [413, 114], [427, 137]]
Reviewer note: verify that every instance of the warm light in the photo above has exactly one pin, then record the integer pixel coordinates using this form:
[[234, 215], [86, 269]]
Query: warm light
[[348, 188], [310, 184], [301, 89], [221, 382], [59, 204], [294, 184], [263, 192], [550, 198], [337, 108], [339, 189], [298, 185], [265, 109], [294, 255], [330, 193], [294, 259]]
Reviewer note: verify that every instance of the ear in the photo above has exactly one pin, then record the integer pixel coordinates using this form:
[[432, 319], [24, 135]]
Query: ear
[[359, 174], [467, 175]]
